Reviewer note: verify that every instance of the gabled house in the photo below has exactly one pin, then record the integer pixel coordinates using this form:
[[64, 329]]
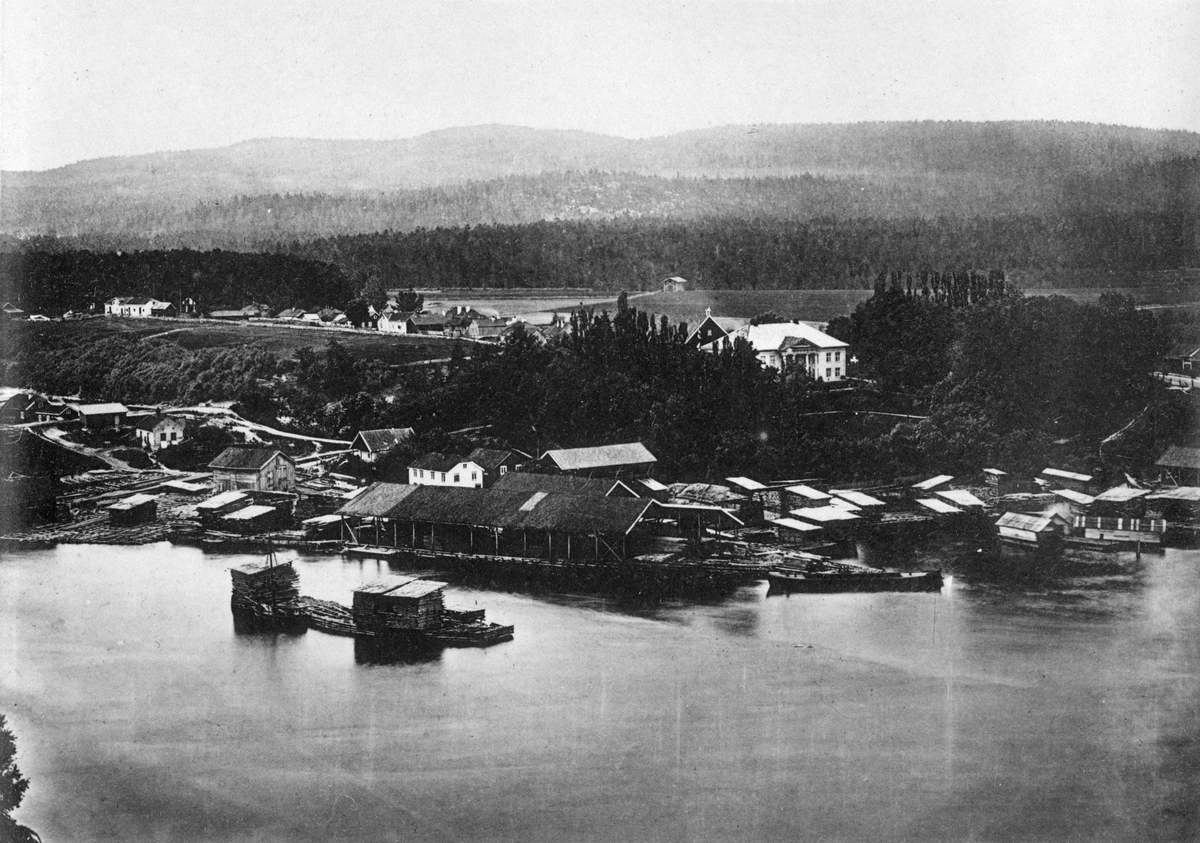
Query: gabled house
[[291, 314], [674, 284], [494, 462], [370, 445], [11, 311], [788, 346], [1183, 359], [19, 408], [445, 470], [713, 328], [158, 431], [393, 321], [163, 309], [486, 328], [258, 469]]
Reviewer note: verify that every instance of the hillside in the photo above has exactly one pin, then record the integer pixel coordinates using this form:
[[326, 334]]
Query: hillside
[[264, 191]]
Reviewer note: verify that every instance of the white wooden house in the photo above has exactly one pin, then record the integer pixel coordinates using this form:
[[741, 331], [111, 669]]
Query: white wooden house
[[446, 470], [787, 346], [159, 431]]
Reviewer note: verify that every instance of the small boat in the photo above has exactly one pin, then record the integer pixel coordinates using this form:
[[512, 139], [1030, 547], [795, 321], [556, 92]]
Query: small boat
[[830, 579], [370, 551]]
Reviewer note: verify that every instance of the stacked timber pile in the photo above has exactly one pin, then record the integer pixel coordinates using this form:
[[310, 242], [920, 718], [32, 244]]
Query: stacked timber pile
[[328, 616], [399, 604], [266, 589]]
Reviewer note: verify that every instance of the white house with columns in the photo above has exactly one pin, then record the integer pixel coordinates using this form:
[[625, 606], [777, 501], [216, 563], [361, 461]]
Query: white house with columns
[[788, 345]]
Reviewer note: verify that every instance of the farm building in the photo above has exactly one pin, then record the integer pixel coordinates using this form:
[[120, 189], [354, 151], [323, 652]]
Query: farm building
[[19, 408], [1183, 359], [445, 470], [487, 328], [258, 469], [789, 346], [674, 284], [393, 321], [159, 431], [369, 445], [631, 459], [54, 411], [97, 416], [138, 306], [426, 323], [544, 525], [135, 509]]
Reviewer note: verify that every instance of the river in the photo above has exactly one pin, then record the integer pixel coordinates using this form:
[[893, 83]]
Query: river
[[1025, 702]]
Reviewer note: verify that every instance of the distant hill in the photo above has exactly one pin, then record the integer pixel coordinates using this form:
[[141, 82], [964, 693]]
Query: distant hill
[[261, 191]]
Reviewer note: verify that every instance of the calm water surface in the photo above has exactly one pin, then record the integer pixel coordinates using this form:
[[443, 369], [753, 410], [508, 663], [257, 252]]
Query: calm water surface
[[1024, 702]]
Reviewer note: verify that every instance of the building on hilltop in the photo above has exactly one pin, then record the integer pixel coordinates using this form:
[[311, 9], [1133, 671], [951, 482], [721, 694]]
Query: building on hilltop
[[789, 346], [259, 469], [674, 284]]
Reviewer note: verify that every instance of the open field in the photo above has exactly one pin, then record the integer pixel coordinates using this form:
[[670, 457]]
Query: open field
[[279, 340]]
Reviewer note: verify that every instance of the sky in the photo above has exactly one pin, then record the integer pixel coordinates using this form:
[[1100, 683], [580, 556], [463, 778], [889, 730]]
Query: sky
[[91, 78]]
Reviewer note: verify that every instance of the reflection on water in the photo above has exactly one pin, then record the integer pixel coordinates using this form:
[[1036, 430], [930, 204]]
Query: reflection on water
[[1029, 700]]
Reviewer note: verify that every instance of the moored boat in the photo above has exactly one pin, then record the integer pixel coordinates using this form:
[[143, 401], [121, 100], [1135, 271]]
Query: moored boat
[[829, 579]]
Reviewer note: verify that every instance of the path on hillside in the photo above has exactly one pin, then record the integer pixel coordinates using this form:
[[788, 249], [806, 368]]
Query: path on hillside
[[245, 424], [56, 435]]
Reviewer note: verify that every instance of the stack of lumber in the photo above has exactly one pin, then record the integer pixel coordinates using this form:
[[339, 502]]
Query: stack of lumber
[[262, 588], [399, 604]]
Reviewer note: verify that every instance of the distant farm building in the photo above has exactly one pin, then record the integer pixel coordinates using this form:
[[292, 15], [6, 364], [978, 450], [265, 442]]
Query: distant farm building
[[259, 469], [139, 306], [674, 284], [370, 445], [1183, 359]]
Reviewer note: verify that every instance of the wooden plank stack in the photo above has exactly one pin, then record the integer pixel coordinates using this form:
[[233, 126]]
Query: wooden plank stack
[[264, 589], [399, 604]]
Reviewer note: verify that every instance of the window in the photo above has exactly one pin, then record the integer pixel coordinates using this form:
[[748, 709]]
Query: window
[[828, 357], [504, 469], [456, 478], [443, 477], [837, 357], [474, 475], [837, 371], [827, 373], [162, 437]]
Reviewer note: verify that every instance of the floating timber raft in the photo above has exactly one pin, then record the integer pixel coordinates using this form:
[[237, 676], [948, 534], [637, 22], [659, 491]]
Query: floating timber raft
[[828, 577], [401, 610]]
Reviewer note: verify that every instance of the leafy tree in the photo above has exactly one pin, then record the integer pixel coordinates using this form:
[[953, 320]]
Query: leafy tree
[[410, 301], [768, 318], [12, 787]]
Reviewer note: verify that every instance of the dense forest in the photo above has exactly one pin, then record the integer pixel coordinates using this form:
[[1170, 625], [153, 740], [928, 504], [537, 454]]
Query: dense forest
[[718, 253]]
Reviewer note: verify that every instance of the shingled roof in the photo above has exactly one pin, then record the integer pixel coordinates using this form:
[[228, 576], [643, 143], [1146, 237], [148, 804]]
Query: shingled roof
[[384, 439], [601, 456], [489, 459], [501, 509], [528, 481], [246, 459], [1180, 456]]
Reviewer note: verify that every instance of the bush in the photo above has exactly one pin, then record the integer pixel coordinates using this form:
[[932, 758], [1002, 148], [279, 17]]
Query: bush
[[134, 457]]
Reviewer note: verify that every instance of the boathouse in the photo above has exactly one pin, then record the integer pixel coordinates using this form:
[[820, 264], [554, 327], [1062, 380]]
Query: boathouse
[[1032, 530], [133, 510], [543, 525], [257, 469]]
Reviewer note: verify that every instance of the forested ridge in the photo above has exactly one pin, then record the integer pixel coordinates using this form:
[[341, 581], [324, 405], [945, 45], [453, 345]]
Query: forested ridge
[[260, 193]]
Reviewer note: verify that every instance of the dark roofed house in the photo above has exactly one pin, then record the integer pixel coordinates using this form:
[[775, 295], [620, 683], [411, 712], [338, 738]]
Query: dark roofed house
[[1184, 359], [426, 323], [260, 469], [630, 459], [495, 463], [19, 408], [1182, 464], [712, 328], [369, 445]]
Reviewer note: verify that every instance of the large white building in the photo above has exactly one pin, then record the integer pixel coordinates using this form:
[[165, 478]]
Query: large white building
[[446, 470], [788, 345]]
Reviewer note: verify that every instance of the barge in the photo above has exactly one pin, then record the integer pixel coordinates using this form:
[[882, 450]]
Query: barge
[[833, 578]]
